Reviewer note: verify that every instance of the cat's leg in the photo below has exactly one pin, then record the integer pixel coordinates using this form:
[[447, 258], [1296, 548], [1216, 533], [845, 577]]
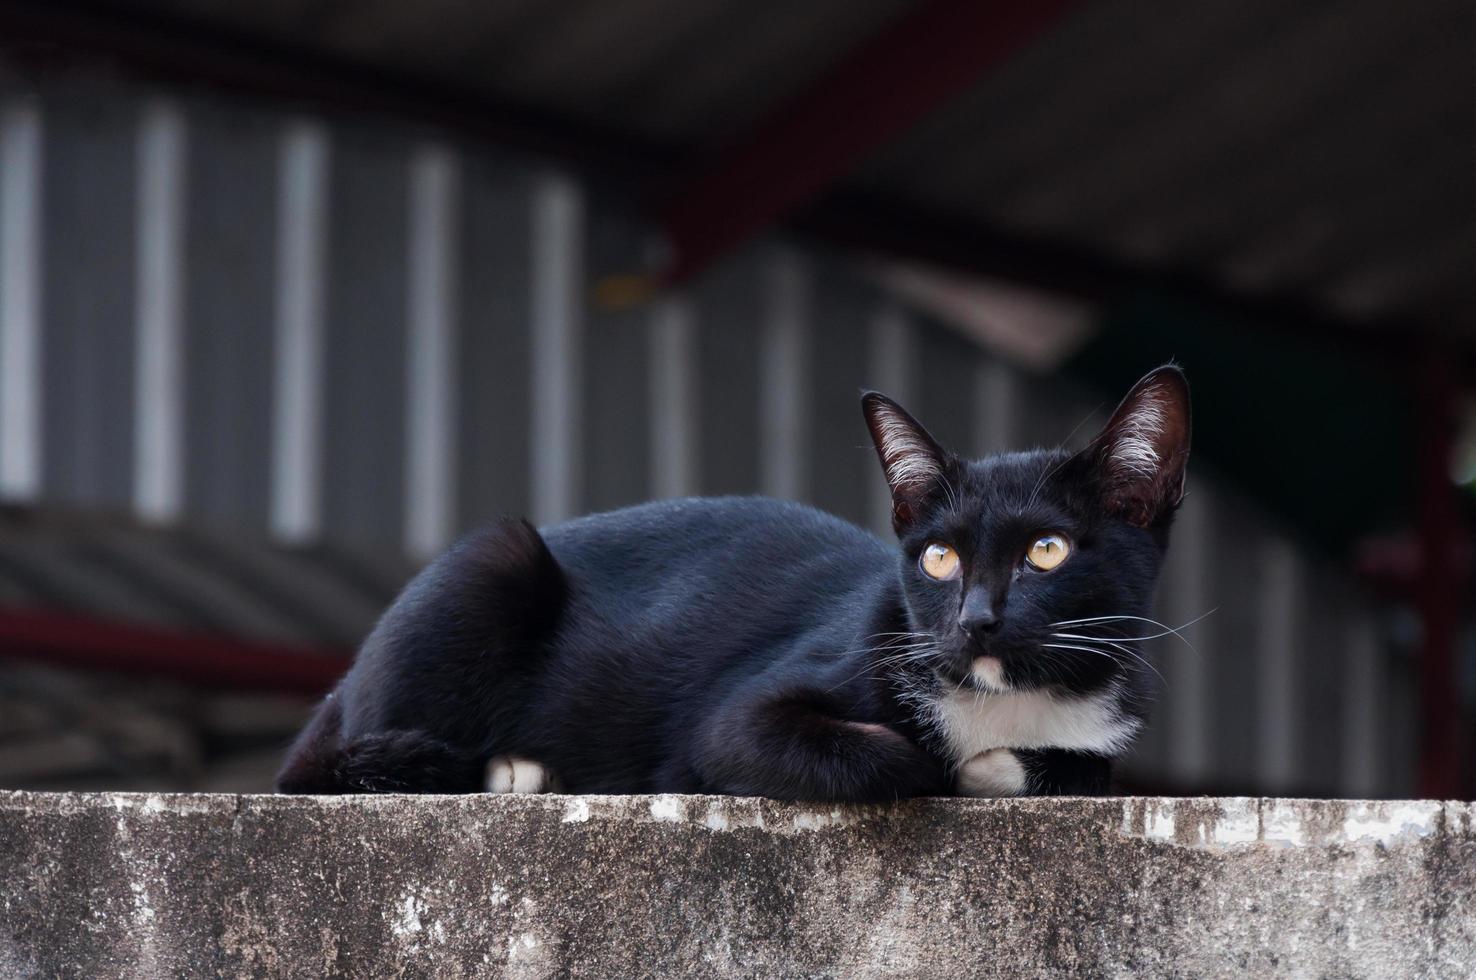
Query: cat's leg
[[516, 774], [998, 772], [1034, 772], [793, 744], [445, 675], [1062, 772]]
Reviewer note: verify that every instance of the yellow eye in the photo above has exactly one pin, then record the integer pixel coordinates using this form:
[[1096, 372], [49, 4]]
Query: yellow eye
[[1048, 552], [940, 562]]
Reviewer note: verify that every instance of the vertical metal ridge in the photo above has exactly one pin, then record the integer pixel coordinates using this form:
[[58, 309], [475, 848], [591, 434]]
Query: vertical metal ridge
[[1363, 685], [674, 408], [996, 408], [783, 393], [431, 342], [159, 365], [556, 321], [1278, 602], [890, 369], [20, 300], [297, 376], [1191, 714]]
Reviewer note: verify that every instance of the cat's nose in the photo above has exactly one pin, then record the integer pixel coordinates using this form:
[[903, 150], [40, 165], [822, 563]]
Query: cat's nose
[[978, 615], [985, 622]]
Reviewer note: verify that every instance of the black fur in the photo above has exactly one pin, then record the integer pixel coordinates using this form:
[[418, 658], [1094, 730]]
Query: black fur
[[749, 646]]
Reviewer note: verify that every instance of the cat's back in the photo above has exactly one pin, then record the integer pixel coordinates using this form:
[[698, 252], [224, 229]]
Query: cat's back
[[710, 540]]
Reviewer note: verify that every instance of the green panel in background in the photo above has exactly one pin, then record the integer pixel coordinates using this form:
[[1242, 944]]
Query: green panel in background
[[1322, 437]]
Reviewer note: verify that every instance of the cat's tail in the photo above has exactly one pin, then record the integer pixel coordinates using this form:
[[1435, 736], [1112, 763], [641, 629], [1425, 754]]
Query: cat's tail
[[397, 761], [499, 591]]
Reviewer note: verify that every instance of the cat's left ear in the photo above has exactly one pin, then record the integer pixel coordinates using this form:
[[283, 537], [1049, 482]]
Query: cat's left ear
[[1140, 456], [915, 465]]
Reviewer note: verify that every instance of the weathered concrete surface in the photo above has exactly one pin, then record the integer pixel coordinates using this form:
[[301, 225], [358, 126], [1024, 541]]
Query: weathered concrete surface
[[155, 886]]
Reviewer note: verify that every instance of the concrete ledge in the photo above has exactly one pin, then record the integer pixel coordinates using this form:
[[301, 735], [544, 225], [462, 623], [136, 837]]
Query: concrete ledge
[[134, 885]]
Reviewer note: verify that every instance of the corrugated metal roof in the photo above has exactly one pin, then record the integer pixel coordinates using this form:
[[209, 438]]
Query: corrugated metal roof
[[1325, 150], [191, 580]]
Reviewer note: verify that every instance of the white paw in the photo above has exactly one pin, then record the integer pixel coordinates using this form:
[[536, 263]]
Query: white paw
[[514, 774], [997, 772]]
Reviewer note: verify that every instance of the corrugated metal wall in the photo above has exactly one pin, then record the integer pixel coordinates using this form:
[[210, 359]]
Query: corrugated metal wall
[[226, 315]]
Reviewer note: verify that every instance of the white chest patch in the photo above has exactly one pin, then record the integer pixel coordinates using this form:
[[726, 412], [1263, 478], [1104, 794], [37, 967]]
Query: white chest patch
[[974, 722]]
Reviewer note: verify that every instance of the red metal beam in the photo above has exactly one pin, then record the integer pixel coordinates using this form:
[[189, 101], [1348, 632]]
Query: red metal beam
[[871, 97], [191, 658]]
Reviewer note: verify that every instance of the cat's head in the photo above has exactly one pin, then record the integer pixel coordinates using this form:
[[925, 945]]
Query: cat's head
[[1015, 566]]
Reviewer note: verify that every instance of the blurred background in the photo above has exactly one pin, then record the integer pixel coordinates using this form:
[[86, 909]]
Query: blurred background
[[293, 292]]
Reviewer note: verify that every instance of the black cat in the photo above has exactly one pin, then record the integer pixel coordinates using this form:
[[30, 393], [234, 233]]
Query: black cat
[[748, 646]]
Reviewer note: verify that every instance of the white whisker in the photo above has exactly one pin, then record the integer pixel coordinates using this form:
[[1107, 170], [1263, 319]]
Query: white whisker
[[1168, 630], [1122, 639], [1104, 653], [894, 654]]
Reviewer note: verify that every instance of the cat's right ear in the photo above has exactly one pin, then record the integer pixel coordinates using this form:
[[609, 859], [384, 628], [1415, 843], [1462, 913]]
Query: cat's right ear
[[914, 464]]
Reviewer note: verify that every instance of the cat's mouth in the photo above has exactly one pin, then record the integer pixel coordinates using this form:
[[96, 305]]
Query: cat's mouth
[[988, 673], [984, 672]]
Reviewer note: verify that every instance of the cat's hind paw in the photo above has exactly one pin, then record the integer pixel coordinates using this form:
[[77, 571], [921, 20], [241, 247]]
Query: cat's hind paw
[[515, 774], [997, 772]]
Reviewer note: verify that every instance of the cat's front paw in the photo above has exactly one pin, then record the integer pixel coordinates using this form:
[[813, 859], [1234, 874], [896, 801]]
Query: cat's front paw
[[997, 772], [515, 774]]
